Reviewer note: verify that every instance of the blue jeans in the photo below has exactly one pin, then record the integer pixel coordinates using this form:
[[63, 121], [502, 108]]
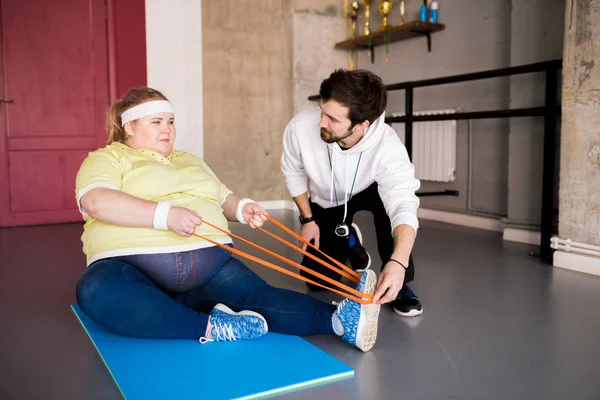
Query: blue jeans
[[168, 296]]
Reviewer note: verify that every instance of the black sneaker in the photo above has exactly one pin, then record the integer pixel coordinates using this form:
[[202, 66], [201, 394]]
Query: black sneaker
[[359, 258], [407, 304]]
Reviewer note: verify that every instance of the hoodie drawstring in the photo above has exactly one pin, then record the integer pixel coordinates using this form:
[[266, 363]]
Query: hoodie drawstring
[[333, 192], [332, 185], [346, 185]]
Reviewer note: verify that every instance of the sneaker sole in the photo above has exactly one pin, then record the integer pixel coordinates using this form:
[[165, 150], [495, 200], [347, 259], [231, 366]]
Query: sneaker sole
[[225, 309], [360, 239], [366, 337], [358, 232], [411, 313]]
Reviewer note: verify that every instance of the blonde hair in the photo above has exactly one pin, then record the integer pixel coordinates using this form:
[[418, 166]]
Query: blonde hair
[[135, 96]]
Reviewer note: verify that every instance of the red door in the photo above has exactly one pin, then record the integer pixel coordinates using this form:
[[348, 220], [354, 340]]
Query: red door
[[54, 91]]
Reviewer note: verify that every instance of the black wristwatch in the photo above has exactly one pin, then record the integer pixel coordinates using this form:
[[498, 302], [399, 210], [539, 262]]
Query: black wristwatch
[[304, 220]]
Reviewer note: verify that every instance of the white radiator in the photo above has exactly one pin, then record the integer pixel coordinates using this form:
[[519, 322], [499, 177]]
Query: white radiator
[[434, 147]]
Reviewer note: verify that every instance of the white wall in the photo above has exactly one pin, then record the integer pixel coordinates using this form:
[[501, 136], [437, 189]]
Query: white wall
[[174, 57]]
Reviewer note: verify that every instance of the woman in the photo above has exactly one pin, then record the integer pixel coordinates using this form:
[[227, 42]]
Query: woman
[[148, 275]]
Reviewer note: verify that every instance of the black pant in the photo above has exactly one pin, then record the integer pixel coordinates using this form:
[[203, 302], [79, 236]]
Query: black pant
[[337, 247]]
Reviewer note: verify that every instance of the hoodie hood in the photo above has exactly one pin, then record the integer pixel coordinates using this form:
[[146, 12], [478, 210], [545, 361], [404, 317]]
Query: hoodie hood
[[372, 136]]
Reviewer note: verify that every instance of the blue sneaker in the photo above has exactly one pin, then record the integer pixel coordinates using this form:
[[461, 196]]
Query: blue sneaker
[[360, 320], [226, 325]]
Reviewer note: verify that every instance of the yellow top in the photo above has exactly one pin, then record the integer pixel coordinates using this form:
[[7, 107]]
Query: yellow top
[[181, 178]]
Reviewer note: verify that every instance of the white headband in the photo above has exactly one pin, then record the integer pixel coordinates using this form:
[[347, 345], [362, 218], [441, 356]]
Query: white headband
[[145, 110]]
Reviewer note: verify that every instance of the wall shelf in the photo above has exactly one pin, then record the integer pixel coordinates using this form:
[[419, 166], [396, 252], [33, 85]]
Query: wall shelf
[[399, 32]]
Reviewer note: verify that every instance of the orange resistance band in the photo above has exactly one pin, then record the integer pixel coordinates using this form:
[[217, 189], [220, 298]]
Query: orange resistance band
[[356, 276], [356, 295]]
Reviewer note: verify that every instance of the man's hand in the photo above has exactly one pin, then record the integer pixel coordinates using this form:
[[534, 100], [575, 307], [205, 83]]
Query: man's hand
[[254, 215], [390, 283], [310, 231]]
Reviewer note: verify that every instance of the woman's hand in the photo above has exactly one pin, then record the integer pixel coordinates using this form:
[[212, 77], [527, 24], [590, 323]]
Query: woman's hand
[[254, 215], [183, 221]]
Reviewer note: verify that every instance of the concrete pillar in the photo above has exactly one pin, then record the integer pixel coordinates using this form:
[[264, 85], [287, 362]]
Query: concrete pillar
[[261, 60], [247, 77], [579, 195], [316, 26]]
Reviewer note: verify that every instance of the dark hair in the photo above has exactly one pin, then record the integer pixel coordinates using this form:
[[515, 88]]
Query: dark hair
[[134, 97], [361, 91]]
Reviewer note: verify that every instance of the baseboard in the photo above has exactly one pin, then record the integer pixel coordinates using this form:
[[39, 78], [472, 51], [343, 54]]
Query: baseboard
[[577, 262], [278, 205], [471, 221], [521, 236]]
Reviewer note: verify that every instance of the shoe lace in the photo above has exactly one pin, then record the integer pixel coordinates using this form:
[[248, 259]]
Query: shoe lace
[[224, 332], [204, 340], [220, 332]]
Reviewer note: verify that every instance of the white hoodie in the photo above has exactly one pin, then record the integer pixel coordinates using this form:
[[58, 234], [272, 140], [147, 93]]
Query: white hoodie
[[310, 165]]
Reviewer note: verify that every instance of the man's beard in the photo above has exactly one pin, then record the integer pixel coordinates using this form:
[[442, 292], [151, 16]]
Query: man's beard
[[329, 137]]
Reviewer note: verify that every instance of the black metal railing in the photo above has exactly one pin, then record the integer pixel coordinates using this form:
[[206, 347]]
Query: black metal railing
[[549, 111]]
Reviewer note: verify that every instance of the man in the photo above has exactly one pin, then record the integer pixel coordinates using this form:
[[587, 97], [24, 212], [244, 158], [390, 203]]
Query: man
[[342, 158]]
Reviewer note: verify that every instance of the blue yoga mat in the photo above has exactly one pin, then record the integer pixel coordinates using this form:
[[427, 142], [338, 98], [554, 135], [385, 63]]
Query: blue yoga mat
[[185, 369]]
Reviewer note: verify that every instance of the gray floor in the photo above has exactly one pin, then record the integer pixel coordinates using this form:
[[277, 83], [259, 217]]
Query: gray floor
[[498, 324]]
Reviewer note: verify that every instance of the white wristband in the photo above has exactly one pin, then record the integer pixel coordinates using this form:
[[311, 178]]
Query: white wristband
[[239, 214], [161, 213]]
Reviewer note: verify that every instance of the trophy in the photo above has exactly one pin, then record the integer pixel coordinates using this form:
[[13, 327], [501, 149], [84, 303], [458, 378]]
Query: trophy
[[352, 11], [385, 6], [402, 12], [353, 17], [367, 30]]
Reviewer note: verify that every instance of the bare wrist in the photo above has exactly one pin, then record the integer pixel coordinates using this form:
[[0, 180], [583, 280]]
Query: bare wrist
[[397, 262]]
